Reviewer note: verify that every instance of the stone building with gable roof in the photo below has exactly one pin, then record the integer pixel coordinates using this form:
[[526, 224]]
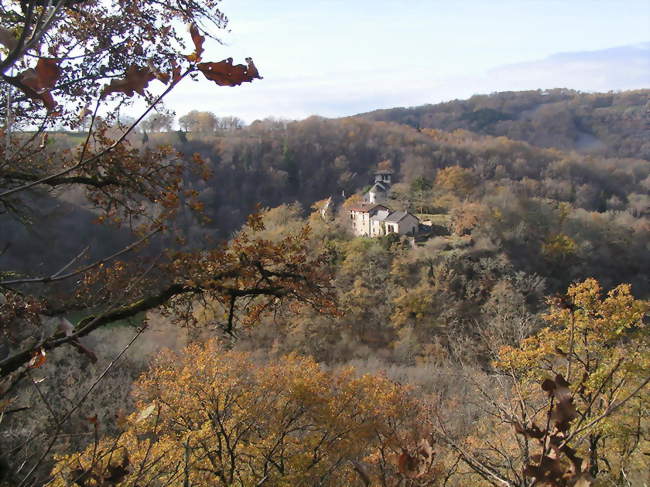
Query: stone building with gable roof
[[360, 216], [372, 219], [402, 223]]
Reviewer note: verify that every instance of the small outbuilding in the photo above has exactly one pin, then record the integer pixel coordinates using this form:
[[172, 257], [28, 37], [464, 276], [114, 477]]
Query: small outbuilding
[[402, 223]]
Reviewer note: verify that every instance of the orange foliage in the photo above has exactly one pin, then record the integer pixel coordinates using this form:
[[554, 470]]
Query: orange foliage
[[216, 417]]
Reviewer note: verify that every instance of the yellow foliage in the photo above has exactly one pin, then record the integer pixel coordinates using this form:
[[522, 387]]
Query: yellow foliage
[[456, 179], [213, 417], [414, 306], [466, 216], [559, 246], [602, 346]]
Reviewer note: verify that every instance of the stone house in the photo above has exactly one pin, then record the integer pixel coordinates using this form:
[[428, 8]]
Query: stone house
[[374, 220], [402, 223], [360, 216], [399, 222]]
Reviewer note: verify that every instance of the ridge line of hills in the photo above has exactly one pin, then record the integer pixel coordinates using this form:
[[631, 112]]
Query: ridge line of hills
[[604, 190], [613, 124]]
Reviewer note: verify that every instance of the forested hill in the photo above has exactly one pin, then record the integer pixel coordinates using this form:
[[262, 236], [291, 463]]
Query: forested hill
[[274, 162], [533, 194], [613, 124]]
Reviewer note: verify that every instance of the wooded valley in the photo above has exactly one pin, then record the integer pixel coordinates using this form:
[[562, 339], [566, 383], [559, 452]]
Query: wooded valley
[[192, 307]]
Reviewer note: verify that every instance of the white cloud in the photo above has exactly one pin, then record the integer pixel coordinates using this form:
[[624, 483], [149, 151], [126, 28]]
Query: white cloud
[[334, 93]]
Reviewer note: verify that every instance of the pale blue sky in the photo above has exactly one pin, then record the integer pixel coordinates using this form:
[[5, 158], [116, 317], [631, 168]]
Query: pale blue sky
[[335, 58]]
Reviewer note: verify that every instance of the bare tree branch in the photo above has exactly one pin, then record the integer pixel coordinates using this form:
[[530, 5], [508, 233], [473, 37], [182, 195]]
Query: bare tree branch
[[58, 276]]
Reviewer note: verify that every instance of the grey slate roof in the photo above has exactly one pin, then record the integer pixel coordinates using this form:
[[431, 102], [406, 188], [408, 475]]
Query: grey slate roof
[[379, 187], [380, 216], [397, 216]]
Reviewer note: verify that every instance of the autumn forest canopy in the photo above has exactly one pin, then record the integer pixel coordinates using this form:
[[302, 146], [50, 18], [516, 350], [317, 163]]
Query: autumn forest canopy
[[186, 299]]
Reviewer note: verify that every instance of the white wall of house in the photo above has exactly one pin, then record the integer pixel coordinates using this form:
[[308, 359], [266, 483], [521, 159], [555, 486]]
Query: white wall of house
[[360, 223], [361, 220], [378, 193], [377, 227], [375, 196]]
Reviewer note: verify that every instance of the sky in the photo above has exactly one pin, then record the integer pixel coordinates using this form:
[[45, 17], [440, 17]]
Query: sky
[[335, 58]]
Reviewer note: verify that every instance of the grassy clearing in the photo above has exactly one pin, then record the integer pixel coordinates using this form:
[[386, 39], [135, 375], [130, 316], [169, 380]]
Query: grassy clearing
[[441, 219]]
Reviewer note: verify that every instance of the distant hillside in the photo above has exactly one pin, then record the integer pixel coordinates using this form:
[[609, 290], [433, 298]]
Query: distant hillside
[[612, 124], [526, 195], [276, 162]]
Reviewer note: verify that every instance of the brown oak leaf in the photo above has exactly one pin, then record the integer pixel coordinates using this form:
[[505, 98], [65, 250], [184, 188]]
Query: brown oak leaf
[[176, 72], [198, 40], [224, 73], [37, 82], [135, 81]]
